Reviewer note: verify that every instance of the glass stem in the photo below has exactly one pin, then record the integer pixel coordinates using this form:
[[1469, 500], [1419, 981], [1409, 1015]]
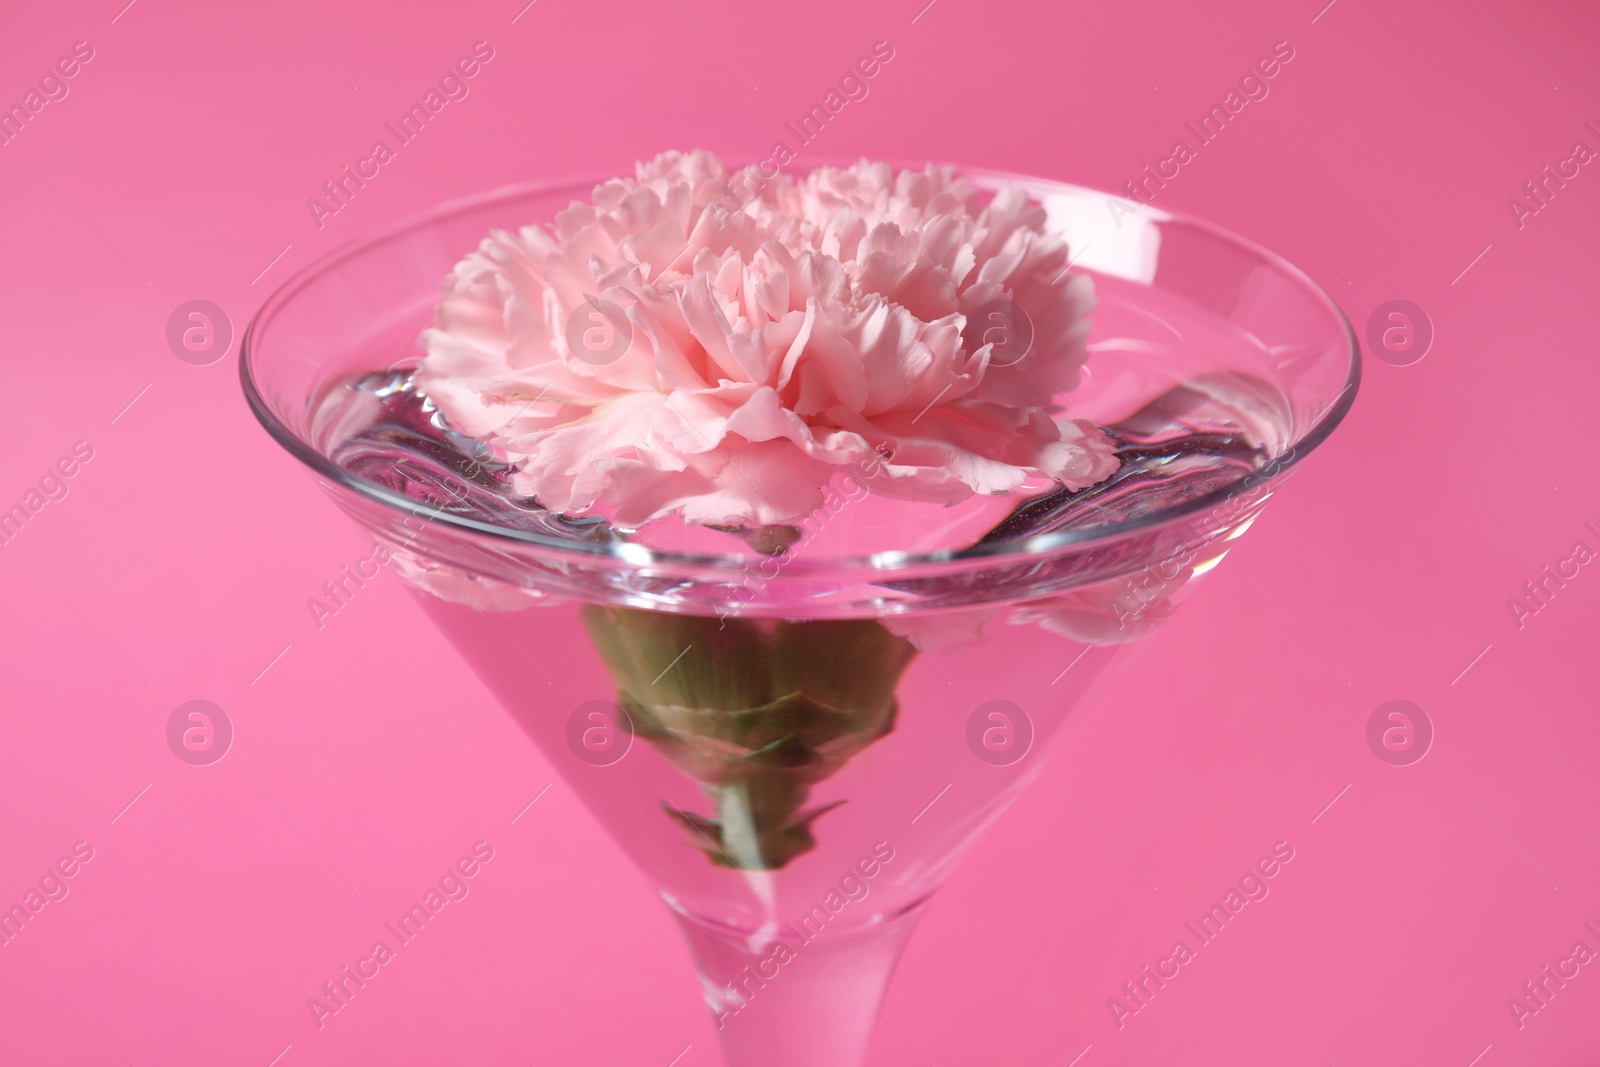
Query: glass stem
[[781, 1000]]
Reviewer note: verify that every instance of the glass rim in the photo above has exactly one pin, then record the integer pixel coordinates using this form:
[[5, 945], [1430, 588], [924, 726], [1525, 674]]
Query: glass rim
[[630, 553]]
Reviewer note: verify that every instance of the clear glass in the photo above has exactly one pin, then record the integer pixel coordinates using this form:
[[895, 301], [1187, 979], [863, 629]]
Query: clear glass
[[797, 751]]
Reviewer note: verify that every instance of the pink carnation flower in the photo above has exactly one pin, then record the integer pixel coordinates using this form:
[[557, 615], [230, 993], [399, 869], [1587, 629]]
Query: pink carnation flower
[[670, 348]]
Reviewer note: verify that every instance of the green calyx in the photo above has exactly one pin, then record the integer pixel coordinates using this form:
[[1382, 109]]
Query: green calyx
[[756, 711]]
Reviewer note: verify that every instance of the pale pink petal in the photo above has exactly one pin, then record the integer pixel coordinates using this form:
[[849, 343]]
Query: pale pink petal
[[781, 330]]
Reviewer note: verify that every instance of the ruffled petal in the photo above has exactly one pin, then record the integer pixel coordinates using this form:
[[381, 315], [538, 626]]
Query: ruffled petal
[[780, 331]]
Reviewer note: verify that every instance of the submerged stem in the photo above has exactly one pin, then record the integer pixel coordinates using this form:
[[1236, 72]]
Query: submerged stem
[[756, 711]]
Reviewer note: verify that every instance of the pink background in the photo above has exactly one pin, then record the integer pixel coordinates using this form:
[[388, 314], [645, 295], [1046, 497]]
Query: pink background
[[180, 563]]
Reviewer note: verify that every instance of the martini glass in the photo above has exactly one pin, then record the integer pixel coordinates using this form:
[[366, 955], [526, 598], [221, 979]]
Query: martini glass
[[798, 743]]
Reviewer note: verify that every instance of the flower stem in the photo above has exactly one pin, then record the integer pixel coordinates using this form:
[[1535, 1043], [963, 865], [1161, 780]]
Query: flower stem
[[756, 711]]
